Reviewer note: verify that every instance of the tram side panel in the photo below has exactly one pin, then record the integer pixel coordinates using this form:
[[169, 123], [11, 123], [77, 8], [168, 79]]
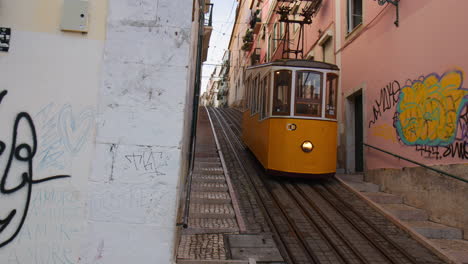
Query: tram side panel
[[256, 136]]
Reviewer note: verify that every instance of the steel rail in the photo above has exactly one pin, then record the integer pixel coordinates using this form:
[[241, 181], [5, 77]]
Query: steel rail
[[349, 207], [313, 221], [325, 219], [233, 119], [286, 251], [417, 163]]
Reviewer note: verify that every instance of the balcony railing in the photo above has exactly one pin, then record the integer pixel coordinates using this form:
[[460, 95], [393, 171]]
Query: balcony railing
[[417, 163], [255, 57], [209, 15], [255, 21]]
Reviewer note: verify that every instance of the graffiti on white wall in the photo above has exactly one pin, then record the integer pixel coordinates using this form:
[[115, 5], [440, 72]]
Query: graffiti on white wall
[[18, 176], [430, 113]]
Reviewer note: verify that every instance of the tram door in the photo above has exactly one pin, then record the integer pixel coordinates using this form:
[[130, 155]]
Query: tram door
[[358, 132]]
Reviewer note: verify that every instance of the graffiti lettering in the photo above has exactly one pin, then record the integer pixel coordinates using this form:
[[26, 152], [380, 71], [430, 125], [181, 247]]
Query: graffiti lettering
[[457, 149], [145, 161], [388, 99], [429, 152], [429, 109], [20, 160], [462, 132]]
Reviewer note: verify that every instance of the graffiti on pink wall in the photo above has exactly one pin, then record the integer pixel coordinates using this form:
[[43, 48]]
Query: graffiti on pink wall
[[430, 113]]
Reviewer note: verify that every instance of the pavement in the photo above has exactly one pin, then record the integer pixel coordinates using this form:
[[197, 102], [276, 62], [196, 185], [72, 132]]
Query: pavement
[[216, 230]]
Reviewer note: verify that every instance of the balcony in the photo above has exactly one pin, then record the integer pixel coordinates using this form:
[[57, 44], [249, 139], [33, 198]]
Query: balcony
[[248, 40], [209, 15], [255, 57], [207, 29], [256, 21]]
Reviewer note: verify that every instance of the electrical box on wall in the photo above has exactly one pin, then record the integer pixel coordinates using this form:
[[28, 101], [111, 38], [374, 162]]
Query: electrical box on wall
[[75, 16]]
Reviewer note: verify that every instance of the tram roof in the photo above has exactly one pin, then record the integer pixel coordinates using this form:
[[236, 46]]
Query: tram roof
[[299, 64]]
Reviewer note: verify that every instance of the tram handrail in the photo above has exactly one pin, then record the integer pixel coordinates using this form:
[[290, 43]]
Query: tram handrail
[[417, 163]]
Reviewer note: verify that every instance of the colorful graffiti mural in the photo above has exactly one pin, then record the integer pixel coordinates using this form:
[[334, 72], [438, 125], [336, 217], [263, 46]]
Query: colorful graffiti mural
[[430, 114], [429, 109]]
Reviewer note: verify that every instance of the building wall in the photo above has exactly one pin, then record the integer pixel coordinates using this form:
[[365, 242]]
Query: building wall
[[397, 68], [238, 57], [108, 110]]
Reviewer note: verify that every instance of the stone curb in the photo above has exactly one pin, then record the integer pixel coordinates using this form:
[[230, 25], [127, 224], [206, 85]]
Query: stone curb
[[421, 239]]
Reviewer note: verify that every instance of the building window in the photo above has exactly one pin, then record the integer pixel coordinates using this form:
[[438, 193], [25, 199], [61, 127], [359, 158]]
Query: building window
[[328, 54], [281, 34], [269, 49], [354, 14], [275, 36]]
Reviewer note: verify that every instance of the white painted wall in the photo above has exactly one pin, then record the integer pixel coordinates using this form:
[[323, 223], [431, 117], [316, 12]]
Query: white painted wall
[[108, 108]]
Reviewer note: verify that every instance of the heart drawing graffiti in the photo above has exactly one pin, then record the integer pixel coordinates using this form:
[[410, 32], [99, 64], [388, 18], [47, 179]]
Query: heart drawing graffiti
[[74, 130]]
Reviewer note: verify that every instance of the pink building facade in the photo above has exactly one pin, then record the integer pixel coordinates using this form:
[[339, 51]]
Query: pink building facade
[[415, 100]]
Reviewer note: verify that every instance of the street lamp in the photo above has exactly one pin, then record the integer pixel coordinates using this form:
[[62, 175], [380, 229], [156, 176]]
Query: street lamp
[[395, 3]]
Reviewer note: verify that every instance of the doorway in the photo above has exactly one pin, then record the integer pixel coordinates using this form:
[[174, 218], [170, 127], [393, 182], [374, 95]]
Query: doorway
[[358, 134], [354, 133]]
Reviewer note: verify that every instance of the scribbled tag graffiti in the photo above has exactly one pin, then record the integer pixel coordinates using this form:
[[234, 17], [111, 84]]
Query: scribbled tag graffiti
[[18, 176], [63, 134], [429, 110]]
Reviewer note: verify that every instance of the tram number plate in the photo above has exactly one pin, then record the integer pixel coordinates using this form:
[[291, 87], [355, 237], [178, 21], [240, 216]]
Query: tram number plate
[[291, 127]]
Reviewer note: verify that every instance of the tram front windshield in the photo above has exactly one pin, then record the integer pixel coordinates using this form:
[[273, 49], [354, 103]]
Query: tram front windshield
[[308, 93]]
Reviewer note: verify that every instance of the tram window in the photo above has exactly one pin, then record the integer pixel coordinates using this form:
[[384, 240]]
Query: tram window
[[332, 93], [255, 95], [264, 109], [260, 100], [309, 93], [281, 93], [247, 93], [252, 91], [268, 92], [252, 96], [258, 93]]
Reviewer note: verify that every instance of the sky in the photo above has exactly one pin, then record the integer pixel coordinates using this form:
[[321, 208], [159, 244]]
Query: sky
[[224, 14]]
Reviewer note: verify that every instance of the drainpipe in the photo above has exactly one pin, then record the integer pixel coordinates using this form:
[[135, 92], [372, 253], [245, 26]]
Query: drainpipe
[[196, 97]]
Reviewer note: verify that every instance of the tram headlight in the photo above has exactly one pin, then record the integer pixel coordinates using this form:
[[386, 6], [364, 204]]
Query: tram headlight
[[307, 146]]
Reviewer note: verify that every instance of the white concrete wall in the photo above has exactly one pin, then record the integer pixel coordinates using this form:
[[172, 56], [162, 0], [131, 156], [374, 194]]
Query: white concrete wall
[[133, 186], [108, 110]]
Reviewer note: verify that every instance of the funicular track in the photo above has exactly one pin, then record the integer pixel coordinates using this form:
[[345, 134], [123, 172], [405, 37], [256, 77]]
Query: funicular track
[[320, 221]]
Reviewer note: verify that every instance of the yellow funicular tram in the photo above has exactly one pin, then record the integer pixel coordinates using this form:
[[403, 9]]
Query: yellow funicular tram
[[289, 122]]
